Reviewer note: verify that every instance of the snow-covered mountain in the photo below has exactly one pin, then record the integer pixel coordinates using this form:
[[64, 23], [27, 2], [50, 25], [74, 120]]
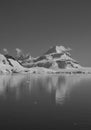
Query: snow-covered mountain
[[8, 64], [57, 57]]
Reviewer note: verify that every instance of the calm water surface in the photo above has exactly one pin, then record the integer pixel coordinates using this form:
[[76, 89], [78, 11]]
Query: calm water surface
[[45, 102]]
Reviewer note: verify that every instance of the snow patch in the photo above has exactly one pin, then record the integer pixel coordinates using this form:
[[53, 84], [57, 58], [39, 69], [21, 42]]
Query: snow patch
[[60, 49]]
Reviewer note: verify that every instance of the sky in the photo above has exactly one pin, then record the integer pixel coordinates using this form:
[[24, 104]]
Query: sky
[[34, 26]]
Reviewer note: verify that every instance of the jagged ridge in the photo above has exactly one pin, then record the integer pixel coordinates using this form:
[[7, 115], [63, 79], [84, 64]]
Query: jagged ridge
[[57, 57]]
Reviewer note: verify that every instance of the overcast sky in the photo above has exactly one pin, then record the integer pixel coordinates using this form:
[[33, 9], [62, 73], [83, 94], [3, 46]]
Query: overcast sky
[[34, 26]]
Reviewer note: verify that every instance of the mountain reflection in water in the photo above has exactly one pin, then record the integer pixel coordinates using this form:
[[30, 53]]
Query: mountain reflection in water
[[57, 85]]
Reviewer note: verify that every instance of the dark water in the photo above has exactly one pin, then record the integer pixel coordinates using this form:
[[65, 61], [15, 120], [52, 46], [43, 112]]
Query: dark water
[[45, 102]]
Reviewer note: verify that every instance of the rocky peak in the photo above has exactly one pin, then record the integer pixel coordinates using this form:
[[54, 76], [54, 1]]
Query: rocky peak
[[57, 49]]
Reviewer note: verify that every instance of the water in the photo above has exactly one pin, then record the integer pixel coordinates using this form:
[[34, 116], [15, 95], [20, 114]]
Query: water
[[45, 102]]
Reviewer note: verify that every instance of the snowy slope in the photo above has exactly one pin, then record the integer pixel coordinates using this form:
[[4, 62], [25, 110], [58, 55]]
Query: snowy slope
[[5, 66], [9, 65], [16, 66]]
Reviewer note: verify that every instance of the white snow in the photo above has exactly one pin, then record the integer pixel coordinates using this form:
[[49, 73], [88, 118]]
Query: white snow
[[60, 49], [16, 65], [3, 59], [4, 65], [65, 57], [5, 69]]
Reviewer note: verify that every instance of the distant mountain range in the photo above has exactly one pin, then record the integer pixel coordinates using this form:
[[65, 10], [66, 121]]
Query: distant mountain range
[[56, 59]]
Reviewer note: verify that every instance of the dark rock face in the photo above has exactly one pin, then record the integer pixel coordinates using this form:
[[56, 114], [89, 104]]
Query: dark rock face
[[45, 65], [51, 50], [56, 55], [9, 57], [61, 64], [39, 59]]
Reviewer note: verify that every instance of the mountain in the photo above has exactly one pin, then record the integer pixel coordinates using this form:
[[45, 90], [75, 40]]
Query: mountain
[[57, 49], [9, 64], [57, 57], [56, 60], [5, 66]]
